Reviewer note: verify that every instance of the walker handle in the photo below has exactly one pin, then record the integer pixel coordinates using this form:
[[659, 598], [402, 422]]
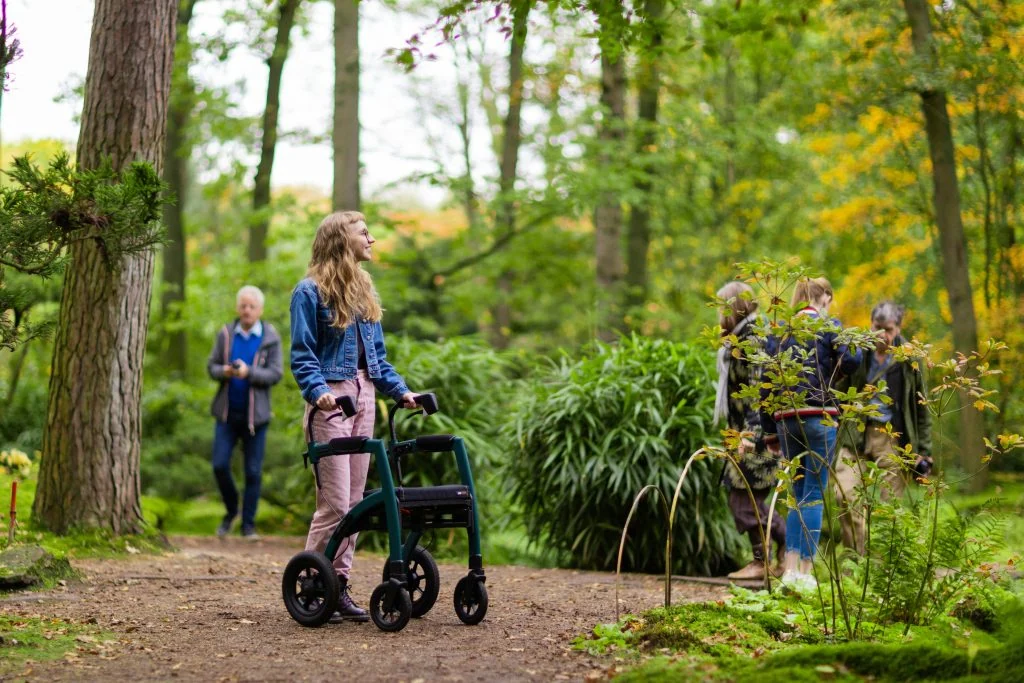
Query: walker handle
[[347, 405]]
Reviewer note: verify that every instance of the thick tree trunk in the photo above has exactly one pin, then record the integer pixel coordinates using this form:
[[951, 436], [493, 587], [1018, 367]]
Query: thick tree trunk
[[89, 475], [608, 213], [346, 105], [176, 160], [639, 234], [511, 140], [952, 244], [261, 185]]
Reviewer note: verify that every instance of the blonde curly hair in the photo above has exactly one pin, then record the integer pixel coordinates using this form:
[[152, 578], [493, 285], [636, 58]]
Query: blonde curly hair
[[344, 286]]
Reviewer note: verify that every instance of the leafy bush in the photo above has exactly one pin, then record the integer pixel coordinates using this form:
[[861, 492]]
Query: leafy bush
[[587, 435]]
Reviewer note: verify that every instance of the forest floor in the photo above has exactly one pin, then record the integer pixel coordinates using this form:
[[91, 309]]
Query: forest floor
[[212, 611]]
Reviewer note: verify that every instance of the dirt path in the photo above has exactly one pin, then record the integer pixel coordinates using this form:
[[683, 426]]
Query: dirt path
[[213, 612]]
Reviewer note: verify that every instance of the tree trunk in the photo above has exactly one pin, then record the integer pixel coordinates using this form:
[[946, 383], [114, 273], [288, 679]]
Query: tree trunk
[[176, 160], [261, 185], [346, 105], [639, 234], [511, 139], [951, 236], [89, 475], [608, 213], [469, 198]]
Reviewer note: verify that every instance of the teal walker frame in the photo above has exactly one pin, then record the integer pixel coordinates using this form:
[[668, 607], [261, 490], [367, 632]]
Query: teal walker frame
[[410, 580]]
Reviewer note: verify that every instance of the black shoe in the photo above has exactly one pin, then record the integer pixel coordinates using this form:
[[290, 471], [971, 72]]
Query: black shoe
[[348, 610], [225, 526], [249, 533]]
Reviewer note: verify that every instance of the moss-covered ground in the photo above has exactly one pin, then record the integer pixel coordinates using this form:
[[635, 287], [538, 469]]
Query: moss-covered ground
[[762, 637]]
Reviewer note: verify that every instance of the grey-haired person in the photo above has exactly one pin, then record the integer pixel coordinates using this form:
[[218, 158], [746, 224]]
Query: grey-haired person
[[245, 362], [910, 421]]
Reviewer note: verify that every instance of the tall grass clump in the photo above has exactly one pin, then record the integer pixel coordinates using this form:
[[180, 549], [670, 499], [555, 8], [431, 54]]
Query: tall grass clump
[[587, 434]]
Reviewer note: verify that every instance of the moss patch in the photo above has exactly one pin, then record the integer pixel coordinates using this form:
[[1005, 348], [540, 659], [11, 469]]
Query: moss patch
[[30, 566], [24, 640]]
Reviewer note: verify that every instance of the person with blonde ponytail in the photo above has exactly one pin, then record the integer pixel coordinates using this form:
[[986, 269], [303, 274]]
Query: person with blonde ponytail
[[337, 350]]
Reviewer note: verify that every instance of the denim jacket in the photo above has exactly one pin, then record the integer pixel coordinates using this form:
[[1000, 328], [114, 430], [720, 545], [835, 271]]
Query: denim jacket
[[321, 353], [827, 362]]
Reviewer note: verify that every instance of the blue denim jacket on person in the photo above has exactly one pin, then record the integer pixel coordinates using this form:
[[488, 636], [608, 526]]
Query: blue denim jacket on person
[[825, 363], [321, 353]]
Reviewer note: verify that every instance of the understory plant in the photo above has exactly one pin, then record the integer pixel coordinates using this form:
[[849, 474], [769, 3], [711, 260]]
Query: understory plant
[[590, 432]]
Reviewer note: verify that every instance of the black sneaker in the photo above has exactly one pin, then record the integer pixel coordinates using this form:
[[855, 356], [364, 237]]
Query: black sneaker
[[249, 533], [225, 526], [348, 610]]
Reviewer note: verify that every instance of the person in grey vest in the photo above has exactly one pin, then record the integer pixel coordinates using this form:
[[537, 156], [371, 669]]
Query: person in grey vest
[[246, 362]]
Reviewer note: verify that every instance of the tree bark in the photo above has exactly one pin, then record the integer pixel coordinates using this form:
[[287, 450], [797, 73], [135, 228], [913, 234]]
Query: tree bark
[[268, 146], [608, 223], [89, 475], [346, 106], [639, 232], [511, 140], [952, 244], [176, 161]]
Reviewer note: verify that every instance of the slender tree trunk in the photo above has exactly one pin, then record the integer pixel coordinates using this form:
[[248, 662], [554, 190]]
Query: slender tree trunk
[[89, 475], [469, 198], [511, 139], [1008, 209], [729, 113], [3, 64], [346, 105], [639, 234], [951, 235], [261, 185], [176, 161], [17, 364], [608, 213]]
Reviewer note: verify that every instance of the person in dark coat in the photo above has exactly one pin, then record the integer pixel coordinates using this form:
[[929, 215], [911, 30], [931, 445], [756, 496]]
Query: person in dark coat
[[911, 426]]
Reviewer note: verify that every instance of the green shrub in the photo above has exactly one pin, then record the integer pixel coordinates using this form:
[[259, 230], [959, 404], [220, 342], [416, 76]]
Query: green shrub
[[587, 435]]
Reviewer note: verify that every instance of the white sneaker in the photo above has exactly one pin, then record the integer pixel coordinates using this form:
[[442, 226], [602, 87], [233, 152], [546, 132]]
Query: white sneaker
[[797, 582], [807, 582], [789, 577]]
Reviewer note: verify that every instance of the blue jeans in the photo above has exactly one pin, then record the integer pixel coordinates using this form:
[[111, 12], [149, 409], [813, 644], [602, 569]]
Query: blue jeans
[[226, 435], [818, 442]]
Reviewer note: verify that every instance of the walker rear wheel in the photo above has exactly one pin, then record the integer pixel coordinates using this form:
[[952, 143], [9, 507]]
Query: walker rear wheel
[[310, 589]]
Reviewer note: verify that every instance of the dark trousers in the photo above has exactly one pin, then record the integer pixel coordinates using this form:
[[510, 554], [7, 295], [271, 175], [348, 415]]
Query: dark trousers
[[746, 519], [226, 435]]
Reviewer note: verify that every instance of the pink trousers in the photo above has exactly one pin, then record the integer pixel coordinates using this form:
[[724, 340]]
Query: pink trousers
[[342, 477]]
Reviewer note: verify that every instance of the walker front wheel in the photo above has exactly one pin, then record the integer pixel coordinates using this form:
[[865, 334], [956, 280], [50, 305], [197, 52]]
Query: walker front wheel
[[470, 600], [390, 613], [310, 587], [422, 579]]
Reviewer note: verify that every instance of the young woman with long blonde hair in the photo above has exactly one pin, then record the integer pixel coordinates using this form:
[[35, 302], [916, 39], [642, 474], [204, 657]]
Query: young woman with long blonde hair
[[338, 349], [807, 430]]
